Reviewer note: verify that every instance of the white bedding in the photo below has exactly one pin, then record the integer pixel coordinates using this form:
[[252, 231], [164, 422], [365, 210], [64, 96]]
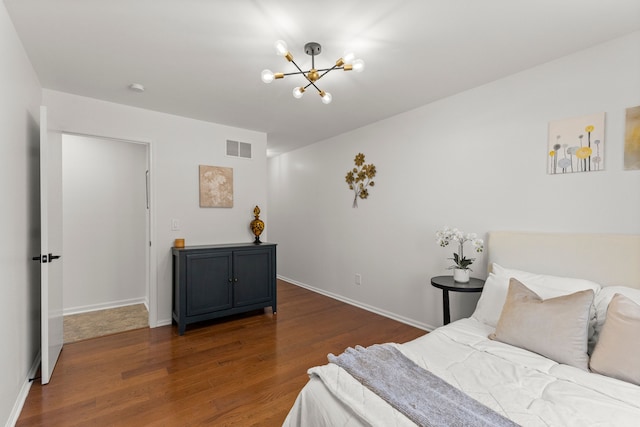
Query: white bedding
[[523, 386]]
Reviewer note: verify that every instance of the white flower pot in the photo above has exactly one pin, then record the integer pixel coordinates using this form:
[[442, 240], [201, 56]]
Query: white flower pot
[[461, 275]]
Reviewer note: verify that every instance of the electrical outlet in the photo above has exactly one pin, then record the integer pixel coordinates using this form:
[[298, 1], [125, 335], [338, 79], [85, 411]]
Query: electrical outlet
[[175, 224], [358, 279]]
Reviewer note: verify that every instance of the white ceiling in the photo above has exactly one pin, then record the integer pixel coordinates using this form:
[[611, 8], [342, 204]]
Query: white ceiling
[[202, 58]]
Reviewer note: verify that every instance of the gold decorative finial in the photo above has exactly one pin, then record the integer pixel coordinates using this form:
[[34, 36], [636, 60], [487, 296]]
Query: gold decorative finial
[[257, 225]]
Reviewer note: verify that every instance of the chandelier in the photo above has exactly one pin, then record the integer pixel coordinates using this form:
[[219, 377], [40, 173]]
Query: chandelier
[[346, 63]]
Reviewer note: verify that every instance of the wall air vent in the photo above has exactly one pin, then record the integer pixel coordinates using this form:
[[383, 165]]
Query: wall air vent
[[238, 149]]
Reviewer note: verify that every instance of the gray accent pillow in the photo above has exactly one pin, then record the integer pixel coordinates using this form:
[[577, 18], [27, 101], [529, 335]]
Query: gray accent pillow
[[556, 328], [617, 352]]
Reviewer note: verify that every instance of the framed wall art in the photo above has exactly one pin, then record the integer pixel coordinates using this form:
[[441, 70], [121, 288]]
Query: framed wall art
[[216, 187], [576, 145], [632, 139]]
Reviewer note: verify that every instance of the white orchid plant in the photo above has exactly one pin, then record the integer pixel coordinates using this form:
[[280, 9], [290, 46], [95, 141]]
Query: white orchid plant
[[448, 235]]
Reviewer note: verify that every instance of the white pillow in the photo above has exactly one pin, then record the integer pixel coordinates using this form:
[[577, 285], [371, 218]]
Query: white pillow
[[495, 289], [494, 294]]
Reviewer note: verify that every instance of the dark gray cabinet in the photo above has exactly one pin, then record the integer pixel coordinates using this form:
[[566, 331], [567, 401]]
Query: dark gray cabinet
[[219, 280]]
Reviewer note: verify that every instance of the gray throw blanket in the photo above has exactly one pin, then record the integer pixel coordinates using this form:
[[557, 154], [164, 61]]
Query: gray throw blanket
[[424, 398]]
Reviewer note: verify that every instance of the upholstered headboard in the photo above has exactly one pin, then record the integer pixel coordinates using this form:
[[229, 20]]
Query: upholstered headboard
[[608, 259]]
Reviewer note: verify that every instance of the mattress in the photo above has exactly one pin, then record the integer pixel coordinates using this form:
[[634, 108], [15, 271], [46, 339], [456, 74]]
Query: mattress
[[523, 386]]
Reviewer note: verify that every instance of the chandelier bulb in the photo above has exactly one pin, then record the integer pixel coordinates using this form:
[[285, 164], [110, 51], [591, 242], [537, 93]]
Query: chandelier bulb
[[267, 76], [281, 48], [326, 97], [358, 65], [348, 57], [298, 92]]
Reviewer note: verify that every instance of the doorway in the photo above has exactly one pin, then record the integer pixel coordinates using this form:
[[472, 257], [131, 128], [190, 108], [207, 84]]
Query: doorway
[[106, 225]]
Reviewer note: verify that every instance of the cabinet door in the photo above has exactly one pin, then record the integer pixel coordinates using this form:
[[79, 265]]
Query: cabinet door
[[209, 282], [254, 271]]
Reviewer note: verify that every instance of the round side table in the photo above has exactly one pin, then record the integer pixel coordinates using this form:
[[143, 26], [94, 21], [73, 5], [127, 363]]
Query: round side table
[[446, 283]]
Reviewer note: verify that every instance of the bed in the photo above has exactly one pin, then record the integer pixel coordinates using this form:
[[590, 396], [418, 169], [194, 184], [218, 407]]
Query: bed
[[549, 370]]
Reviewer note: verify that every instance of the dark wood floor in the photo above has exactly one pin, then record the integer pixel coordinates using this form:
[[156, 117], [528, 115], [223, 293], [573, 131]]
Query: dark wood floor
[[244, 371]]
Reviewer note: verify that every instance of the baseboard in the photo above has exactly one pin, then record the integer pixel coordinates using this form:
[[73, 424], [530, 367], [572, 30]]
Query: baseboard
[[164, 322], [346, 300], [24, 392], [105, 306], [361, 305]]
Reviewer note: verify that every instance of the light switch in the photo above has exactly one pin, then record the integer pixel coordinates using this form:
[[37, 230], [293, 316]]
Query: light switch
[[175, 224]]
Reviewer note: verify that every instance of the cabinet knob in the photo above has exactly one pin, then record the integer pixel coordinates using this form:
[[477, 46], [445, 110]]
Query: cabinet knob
[[230, 280], [235, 279]]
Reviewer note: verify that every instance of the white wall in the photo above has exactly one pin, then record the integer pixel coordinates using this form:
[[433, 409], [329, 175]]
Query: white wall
[[476, 161], [104, 223], [178, 146], [20, 216]]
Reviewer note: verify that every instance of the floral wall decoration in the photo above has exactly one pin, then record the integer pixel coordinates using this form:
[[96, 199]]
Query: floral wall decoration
[[632, 139], [576, 145], [360, 178]]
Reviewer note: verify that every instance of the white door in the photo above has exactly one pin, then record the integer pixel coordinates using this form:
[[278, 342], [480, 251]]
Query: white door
[[50, 246]]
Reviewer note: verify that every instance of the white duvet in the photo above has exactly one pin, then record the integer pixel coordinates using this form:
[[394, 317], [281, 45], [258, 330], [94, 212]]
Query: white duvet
[[523, 386]]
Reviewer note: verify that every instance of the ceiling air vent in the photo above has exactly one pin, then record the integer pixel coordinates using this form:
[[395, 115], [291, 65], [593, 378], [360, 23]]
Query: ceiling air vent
[[238, 149]]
